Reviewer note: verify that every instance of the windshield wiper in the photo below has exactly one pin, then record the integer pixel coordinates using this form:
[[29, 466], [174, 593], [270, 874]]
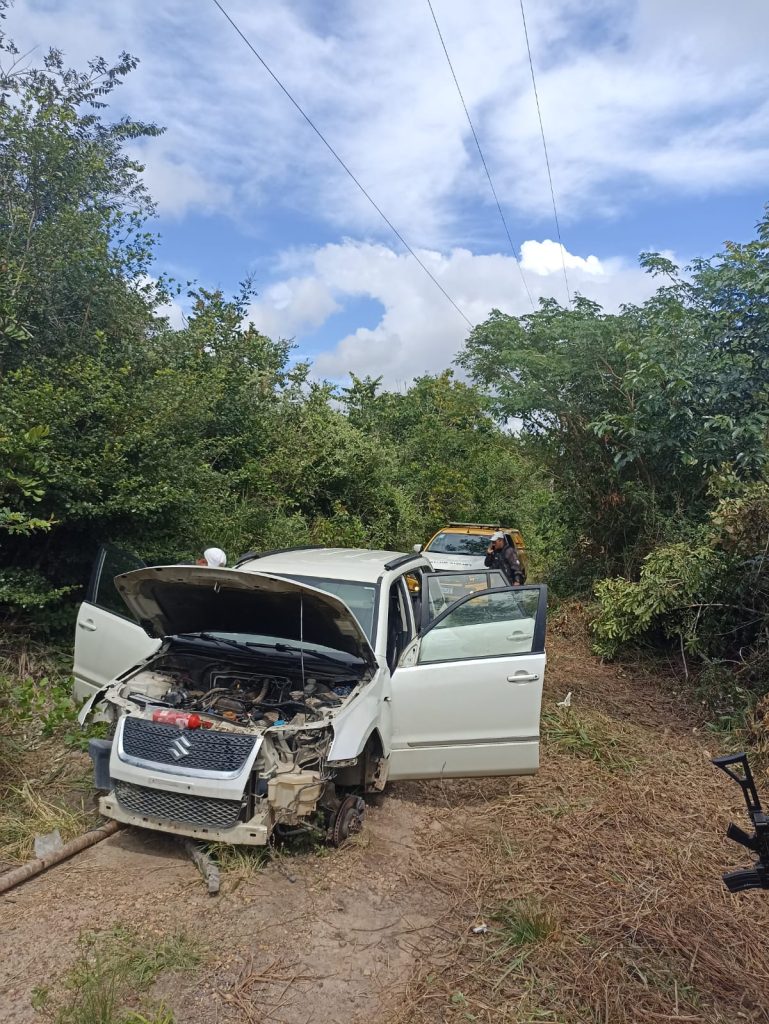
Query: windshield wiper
[[306, 651], [281, 648], [211, 638]]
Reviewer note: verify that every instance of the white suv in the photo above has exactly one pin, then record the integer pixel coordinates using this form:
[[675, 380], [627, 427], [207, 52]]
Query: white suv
[[277, 693]]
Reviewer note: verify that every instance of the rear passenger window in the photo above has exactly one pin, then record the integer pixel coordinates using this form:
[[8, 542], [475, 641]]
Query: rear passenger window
[[111, 562]]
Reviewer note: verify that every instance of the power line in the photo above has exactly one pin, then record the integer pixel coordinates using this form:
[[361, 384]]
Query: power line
[[547, 158], [338, 158], [480, 154]]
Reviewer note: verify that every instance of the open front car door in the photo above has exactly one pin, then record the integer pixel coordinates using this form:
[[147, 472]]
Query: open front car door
[[466, 694]]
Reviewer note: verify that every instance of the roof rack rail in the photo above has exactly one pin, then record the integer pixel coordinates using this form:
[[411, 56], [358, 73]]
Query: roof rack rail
[[251, 555], [395, 563], [247, 557], [479, 526]]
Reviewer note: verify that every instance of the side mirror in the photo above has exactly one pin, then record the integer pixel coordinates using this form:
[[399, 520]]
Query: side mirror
[[417, 548]]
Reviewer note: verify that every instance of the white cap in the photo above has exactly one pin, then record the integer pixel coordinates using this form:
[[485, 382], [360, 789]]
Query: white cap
[[215, 558], [497, 536]]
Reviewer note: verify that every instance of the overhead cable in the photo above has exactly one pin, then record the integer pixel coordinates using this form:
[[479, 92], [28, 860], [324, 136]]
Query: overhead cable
[[339, 160], [480, 154], [547, 158]]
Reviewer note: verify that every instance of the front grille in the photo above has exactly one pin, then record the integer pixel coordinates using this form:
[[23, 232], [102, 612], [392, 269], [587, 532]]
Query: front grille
[[201, 811], [208, 750]]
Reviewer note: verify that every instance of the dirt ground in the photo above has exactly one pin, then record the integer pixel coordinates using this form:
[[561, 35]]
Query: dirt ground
[[599, 881]]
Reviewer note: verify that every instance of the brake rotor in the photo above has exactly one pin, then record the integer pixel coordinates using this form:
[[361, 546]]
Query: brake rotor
[[348, 820]]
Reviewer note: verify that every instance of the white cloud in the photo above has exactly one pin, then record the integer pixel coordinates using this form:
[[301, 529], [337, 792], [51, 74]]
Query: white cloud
[[175, 312], [419, 331], [636, 95], [176, 185], [549, 257], [293, 305]]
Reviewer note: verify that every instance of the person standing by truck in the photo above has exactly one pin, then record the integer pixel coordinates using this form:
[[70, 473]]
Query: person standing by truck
[[501, 554]]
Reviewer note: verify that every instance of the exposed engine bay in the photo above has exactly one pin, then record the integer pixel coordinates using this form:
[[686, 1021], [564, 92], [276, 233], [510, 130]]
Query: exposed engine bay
[[236, 692], [233, 746]]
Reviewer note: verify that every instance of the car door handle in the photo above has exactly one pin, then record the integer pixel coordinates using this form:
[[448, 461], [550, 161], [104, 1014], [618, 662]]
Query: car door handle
[[524, 677], [88, 624], [519, 635]]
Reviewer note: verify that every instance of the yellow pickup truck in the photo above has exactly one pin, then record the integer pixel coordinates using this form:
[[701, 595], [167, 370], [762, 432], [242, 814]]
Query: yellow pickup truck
[[464, 545]]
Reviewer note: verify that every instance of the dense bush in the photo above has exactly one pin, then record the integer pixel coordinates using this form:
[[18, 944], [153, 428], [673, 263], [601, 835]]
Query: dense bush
[[652, 423]]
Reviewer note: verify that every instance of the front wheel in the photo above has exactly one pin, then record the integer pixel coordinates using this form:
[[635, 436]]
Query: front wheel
[[347, 820]]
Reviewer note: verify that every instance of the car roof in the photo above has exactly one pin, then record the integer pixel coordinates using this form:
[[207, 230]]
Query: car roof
[[358, 564]]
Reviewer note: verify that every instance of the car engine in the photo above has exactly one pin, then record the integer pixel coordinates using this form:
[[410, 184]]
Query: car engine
[[234, 692]]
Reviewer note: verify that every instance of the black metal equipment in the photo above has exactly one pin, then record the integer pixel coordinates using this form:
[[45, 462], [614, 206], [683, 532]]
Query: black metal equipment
[[737, 768]]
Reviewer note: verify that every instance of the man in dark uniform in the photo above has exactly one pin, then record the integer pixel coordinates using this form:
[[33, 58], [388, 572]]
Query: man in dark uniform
[[501, 554]]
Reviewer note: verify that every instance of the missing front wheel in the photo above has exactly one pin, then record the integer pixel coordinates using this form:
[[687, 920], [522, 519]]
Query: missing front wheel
[[346, 820]]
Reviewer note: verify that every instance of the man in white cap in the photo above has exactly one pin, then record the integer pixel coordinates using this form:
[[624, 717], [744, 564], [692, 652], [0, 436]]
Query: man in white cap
[[214, 558], [501, 554]]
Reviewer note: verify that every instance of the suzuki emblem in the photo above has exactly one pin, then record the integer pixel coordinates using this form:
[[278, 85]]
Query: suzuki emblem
[[180, 747]]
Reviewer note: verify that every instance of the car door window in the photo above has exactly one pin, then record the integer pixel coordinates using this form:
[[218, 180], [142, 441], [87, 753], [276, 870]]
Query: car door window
[[399, 629], [489, 624], [108, 639], [111, 562], [415, 586], [443, 589]]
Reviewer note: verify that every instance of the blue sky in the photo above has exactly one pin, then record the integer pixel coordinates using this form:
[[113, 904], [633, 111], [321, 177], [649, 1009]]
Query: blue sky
[[656, 113]]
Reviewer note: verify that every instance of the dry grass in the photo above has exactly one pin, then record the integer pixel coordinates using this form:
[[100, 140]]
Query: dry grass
[[27, 813], [44, 782], [599, 880]]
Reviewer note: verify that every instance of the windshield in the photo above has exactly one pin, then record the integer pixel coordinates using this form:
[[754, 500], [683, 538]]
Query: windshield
[[360, 598], [459, 544]]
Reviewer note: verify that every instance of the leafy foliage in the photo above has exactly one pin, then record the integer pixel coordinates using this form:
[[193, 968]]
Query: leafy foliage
[[677, 584], [710, 597], [168, 439], [22, 464], [636, 412], [116, 427], [652, 423]]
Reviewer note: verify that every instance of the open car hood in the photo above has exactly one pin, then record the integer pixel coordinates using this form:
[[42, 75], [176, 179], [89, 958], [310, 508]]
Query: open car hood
[[173, 599]]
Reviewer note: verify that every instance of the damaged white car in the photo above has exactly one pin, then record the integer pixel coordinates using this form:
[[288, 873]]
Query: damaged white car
[[275, 695]]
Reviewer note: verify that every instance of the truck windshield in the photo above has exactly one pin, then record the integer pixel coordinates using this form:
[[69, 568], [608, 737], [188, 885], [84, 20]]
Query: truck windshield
[[459, 544]]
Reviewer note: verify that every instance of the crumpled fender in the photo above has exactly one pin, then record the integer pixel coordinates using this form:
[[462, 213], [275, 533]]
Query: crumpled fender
[[87, 708], [353, 728]]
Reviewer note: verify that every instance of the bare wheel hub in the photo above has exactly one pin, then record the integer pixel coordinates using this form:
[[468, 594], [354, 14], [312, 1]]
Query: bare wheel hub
[[348, 820]]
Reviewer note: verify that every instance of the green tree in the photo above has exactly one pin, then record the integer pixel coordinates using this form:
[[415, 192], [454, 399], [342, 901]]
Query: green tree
[[452, 460], [74, 249], [635, 412]]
